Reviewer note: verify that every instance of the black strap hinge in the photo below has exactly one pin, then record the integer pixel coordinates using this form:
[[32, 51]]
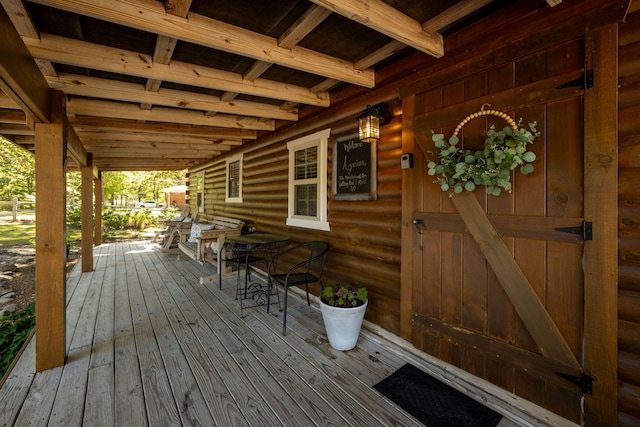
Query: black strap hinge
[[584, 381], [586, 231], [586, 81]]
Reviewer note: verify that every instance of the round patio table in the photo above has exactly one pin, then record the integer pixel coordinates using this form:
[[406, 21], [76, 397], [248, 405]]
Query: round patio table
[[247, 249]]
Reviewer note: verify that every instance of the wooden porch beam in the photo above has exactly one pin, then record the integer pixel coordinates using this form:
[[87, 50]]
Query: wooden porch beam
[[93, 87], [387, 20], [95, 56], [20, 77], [208, 32], [75, 149], [124, 110], [95, 124], [51, 237]]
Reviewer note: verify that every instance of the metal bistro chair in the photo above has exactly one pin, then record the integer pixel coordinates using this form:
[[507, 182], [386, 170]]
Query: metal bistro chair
[[302, 273]]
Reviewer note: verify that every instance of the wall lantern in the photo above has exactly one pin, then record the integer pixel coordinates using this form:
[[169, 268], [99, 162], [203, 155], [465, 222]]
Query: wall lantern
[[370, 121]]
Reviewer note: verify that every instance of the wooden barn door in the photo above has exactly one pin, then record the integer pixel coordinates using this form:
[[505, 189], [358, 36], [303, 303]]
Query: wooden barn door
[[498, 282]]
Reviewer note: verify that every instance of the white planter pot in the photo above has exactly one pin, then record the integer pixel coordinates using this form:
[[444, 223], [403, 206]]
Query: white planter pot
[[343, 324]]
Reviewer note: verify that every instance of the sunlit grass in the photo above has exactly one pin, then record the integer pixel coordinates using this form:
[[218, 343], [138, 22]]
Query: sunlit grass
[[17, 234]]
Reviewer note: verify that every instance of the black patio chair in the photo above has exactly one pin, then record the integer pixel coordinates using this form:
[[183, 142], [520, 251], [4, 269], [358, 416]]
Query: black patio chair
[[305, 272]]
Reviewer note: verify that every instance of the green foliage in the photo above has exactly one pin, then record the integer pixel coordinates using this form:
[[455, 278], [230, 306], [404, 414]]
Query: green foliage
[[121, 219], [127, 188], [503, 152], [74, 216], [344, 295], [14, 331], [17, 171]]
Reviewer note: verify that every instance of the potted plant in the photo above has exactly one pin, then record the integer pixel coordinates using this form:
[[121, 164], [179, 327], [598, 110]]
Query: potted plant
[[343, 308]]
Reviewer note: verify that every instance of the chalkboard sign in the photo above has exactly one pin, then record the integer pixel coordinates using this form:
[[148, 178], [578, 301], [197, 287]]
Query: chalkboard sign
[[354, 170]]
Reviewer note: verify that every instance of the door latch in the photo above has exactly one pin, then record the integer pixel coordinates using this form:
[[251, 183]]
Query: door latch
[[418, 224]]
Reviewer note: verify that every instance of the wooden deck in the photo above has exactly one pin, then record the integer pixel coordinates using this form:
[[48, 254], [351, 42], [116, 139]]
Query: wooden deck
[[148, 345]]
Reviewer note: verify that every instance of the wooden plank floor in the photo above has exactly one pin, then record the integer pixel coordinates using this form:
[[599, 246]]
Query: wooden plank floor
[[148, 345]]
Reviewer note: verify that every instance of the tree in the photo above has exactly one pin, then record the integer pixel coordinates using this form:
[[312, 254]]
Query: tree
[[17, 171]]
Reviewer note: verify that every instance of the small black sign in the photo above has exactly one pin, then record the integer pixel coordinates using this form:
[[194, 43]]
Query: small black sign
[[354, 170]]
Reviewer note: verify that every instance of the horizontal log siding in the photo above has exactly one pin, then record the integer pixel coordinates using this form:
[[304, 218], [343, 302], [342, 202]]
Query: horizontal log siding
[[364, 236], [629, 222]]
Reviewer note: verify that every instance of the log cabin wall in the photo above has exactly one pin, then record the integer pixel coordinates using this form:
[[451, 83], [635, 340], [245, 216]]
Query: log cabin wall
[[364, 236], [629, 220]]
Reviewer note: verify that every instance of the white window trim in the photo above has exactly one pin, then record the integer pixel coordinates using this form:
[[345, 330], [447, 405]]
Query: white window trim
[[319, 139], [233, 159]]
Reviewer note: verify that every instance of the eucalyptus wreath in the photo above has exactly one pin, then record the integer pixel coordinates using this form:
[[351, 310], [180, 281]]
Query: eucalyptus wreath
[[504, 151]]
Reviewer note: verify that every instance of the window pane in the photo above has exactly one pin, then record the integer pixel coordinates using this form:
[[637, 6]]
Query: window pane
[[306, 163], [234, 179], [305, 200]]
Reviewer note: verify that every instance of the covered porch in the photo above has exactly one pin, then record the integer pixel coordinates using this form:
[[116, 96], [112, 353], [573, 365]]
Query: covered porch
[[148, 345]]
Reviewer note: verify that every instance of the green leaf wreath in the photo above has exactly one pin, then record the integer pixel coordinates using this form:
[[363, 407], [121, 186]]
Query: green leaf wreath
[[504, 151]]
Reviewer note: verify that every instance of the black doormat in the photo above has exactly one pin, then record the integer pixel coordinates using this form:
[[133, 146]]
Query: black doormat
[[434, 403]]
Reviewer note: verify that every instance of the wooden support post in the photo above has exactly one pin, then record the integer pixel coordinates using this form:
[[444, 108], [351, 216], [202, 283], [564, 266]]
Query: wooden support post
[[87, 215], [97, 227], [601, 208], [51, 152]]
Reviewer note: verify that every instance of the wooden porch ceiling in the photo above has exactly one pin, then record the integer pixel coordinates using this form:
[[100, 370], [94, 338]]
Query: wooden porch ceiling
[[156, 85]]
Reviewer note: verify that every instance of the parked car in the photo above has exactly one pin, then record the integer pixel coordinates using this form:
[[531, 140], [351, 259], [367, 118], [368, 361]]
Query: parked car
[[150, 204]]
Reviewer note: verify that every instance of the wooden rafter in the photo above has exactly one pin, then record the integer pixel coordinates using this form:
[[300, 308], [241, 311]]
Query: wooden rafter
[[385, 19], [20, 78], [204, 31], [94, 56], [93, 87], [165, 46], [172, 129], [123, 110]]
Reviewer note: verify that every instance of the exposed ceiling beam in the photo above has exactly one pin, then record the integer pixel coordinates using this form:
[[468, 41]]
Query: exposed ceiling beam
[[15, 129], [163, 50], [97, 137], [447, 17], [20, 18], [75, 149], [151, 16], [453, 13], [129, 164], [6, 102], [174, 129], [14, 117], [20, 78], [387, 20], [93, 87], [94, 56], [122, 110], [177, 147]]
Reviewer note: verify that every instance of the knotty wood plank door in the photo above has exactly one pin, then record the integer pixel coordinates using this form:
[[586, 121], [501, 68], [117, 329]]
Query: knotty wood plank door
[[460, 310]]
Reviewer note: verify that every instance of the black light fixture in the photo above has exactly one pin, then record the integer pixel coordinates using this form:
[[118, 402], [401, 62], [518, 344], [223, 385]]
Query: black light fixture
[[370, 121]]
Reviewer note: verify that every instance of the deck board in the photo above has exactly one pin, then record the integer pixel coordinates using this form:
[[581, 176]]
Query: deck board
[[149, 345]]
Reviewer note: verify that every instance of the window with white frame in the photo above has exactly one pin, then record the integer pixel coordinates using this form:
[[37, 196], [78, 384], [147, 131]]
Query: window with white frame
[[233, 193], [308, 181]]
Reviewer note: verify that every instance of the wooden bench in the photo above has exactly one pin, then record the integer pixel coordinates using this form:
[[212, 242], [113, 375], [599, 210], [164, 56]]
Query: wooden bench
[[209, 245]]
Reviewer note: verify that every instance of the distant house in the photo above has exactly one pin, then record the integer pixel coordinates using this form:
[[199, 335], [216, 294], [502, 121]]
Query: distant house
[[175, 196]]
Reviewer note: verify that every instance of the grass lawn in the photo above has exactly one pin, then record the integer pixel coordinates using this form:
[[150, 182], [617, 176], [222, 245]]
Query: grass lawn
[[17, 234], [25, 234]]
